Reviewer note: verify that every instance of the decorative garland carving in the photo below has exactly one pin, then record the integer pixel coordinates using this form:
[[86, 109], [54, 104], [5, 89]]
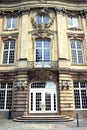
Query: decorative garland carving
[[38, 75], [43, 33]]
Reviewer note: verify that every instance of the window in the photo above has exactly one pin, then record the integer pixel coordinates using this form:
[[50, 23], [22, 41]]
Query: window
[[42, 50], [73, 22], [42, 19], [9, 52], [6, 95], [76, 51], [80, 94], [11, 23]]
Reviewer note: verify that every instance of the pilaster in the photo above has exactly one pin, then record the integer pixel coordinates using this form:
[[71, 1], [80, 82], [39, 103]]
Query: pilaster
[[24, 36]]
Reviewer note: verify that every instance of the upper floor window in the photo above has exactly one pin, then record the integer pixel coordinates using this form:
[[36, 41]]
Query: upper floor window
[[73, 22], [42, 53], [9, 52], [42, 19], [42, 50], [76, 51], [11, 23], [80, 95]]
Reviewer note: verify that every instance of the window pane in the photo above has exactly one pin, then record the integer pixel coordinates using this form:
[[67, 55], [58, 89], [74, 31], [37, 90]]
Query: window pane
[[84, 99], [39, 44], [73, 22], [11, 57], [70, 21], [46, 44], [39, 19], [9, 99], [79, 44], [5, 57], [12, 45], [6, 45], [2, 99], [45, 19], [9, 85], [76, 84], [73, 45], [8, 25], [80, 57], [46, 55], [74, 57], [77, 99], [14, 23], [38, 55]]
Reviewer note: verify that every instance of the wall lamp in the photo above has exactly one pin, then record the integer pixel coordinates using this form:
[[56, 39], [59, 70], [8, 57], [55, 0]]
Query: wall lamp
[[65, 83], [20, 84]]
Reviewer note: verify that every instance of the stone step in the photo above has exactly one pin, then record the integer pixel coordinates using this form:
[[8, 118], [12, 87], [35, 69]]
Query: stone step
[[43, 119]]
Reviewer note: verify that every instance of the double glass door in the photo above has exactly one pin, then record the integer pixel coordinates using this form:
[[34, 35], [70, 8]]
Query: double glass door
[[43, 100]]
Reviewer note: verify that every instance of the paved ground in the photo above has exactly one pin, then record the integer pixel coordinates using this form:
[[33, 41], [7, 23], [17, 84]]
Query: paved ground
[[10, 125]]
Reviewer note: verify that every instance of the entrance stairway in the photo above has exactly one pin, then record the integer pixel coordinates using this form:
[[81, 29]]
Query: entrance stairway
[[50, 118]]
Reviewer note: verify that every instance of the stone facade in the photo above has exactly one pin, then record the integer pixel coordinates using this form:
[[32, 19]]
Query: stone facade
[[59, 70]]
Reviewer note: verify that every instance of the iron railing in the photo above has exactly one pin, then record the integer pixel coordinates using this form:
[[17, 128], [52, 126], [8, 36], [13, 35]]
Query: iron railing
[[43, 64]]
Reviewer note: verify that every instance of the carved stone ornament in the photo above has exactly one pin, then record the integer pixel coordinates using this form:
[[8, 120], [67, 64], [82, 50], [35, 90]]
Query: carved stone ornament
[[43, 33], [43, 11], [42, 75]]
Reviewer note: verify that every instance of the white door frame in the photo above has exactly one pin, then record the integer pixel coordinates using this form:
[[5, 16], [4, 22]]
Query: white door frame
[[43, 92]]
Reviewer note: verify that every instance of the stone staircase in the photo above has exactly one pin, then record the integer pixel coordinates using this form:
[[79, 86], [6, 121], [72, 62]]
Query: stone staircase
[[49, 118]]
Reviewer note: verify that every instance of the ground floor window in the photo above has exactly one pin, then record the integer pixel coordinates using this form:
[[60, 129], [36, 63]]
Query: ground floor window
[[80, 94], [6, 95]]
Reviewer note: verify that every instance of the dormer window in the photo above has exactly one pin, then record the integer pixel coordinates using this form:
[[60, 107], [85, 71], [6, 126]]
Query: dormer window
[[11, 23], [73, 22], [42, 19]]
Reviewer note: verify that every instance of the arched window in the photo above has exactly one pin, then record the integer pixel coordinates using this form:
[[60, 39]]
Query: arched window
[[76, 51], [8, 52]]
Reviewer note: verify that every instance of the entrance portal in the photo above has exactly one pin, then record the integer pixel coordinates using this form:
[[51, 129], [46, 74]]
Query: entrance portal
[[43, 97]]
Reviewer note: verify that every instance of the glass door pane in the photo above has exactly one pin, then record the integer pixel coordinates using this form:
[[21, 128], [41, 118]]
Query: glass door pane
[[38, 101], [47, 101]]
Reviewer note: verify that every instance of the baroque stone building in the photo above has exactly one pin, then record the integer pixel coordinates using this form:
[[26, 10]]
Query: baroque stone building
[[43, 58]]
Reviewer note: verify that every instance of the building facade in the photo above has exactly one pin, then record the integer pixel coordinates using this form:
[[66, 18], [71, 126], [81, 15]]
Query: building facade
[[43, 58]]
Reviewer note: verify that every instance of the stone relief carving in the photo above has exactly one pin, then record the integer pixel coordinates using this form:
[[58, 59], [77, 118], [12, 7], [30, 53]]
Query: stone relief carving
[[43, 11], [43, 75]]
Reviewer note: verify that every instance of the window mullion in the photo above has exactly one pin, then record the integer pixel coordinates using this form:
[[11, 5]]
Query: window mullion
[[5, 97], [76, 51], [11, 22], [80, 95], [9, 52], [42, 50]]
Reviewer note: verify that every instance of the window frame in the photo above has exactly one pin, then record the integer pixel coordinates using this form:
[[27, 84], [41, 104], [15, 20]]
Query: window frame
[[76, 22], [77, 51], [11, 25], [43, 49], [80, 98], [6, 89], [8, 50], [42, 20]]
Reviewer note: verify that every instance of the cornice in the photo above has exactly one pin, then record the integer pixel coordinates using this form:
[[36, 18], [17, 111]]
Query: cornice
[[20, 1], [64, 11]]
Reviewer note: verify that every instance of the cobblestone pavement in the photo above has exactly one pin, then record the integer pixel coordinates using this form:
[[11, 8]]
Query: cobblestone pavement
[[11, 125]]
